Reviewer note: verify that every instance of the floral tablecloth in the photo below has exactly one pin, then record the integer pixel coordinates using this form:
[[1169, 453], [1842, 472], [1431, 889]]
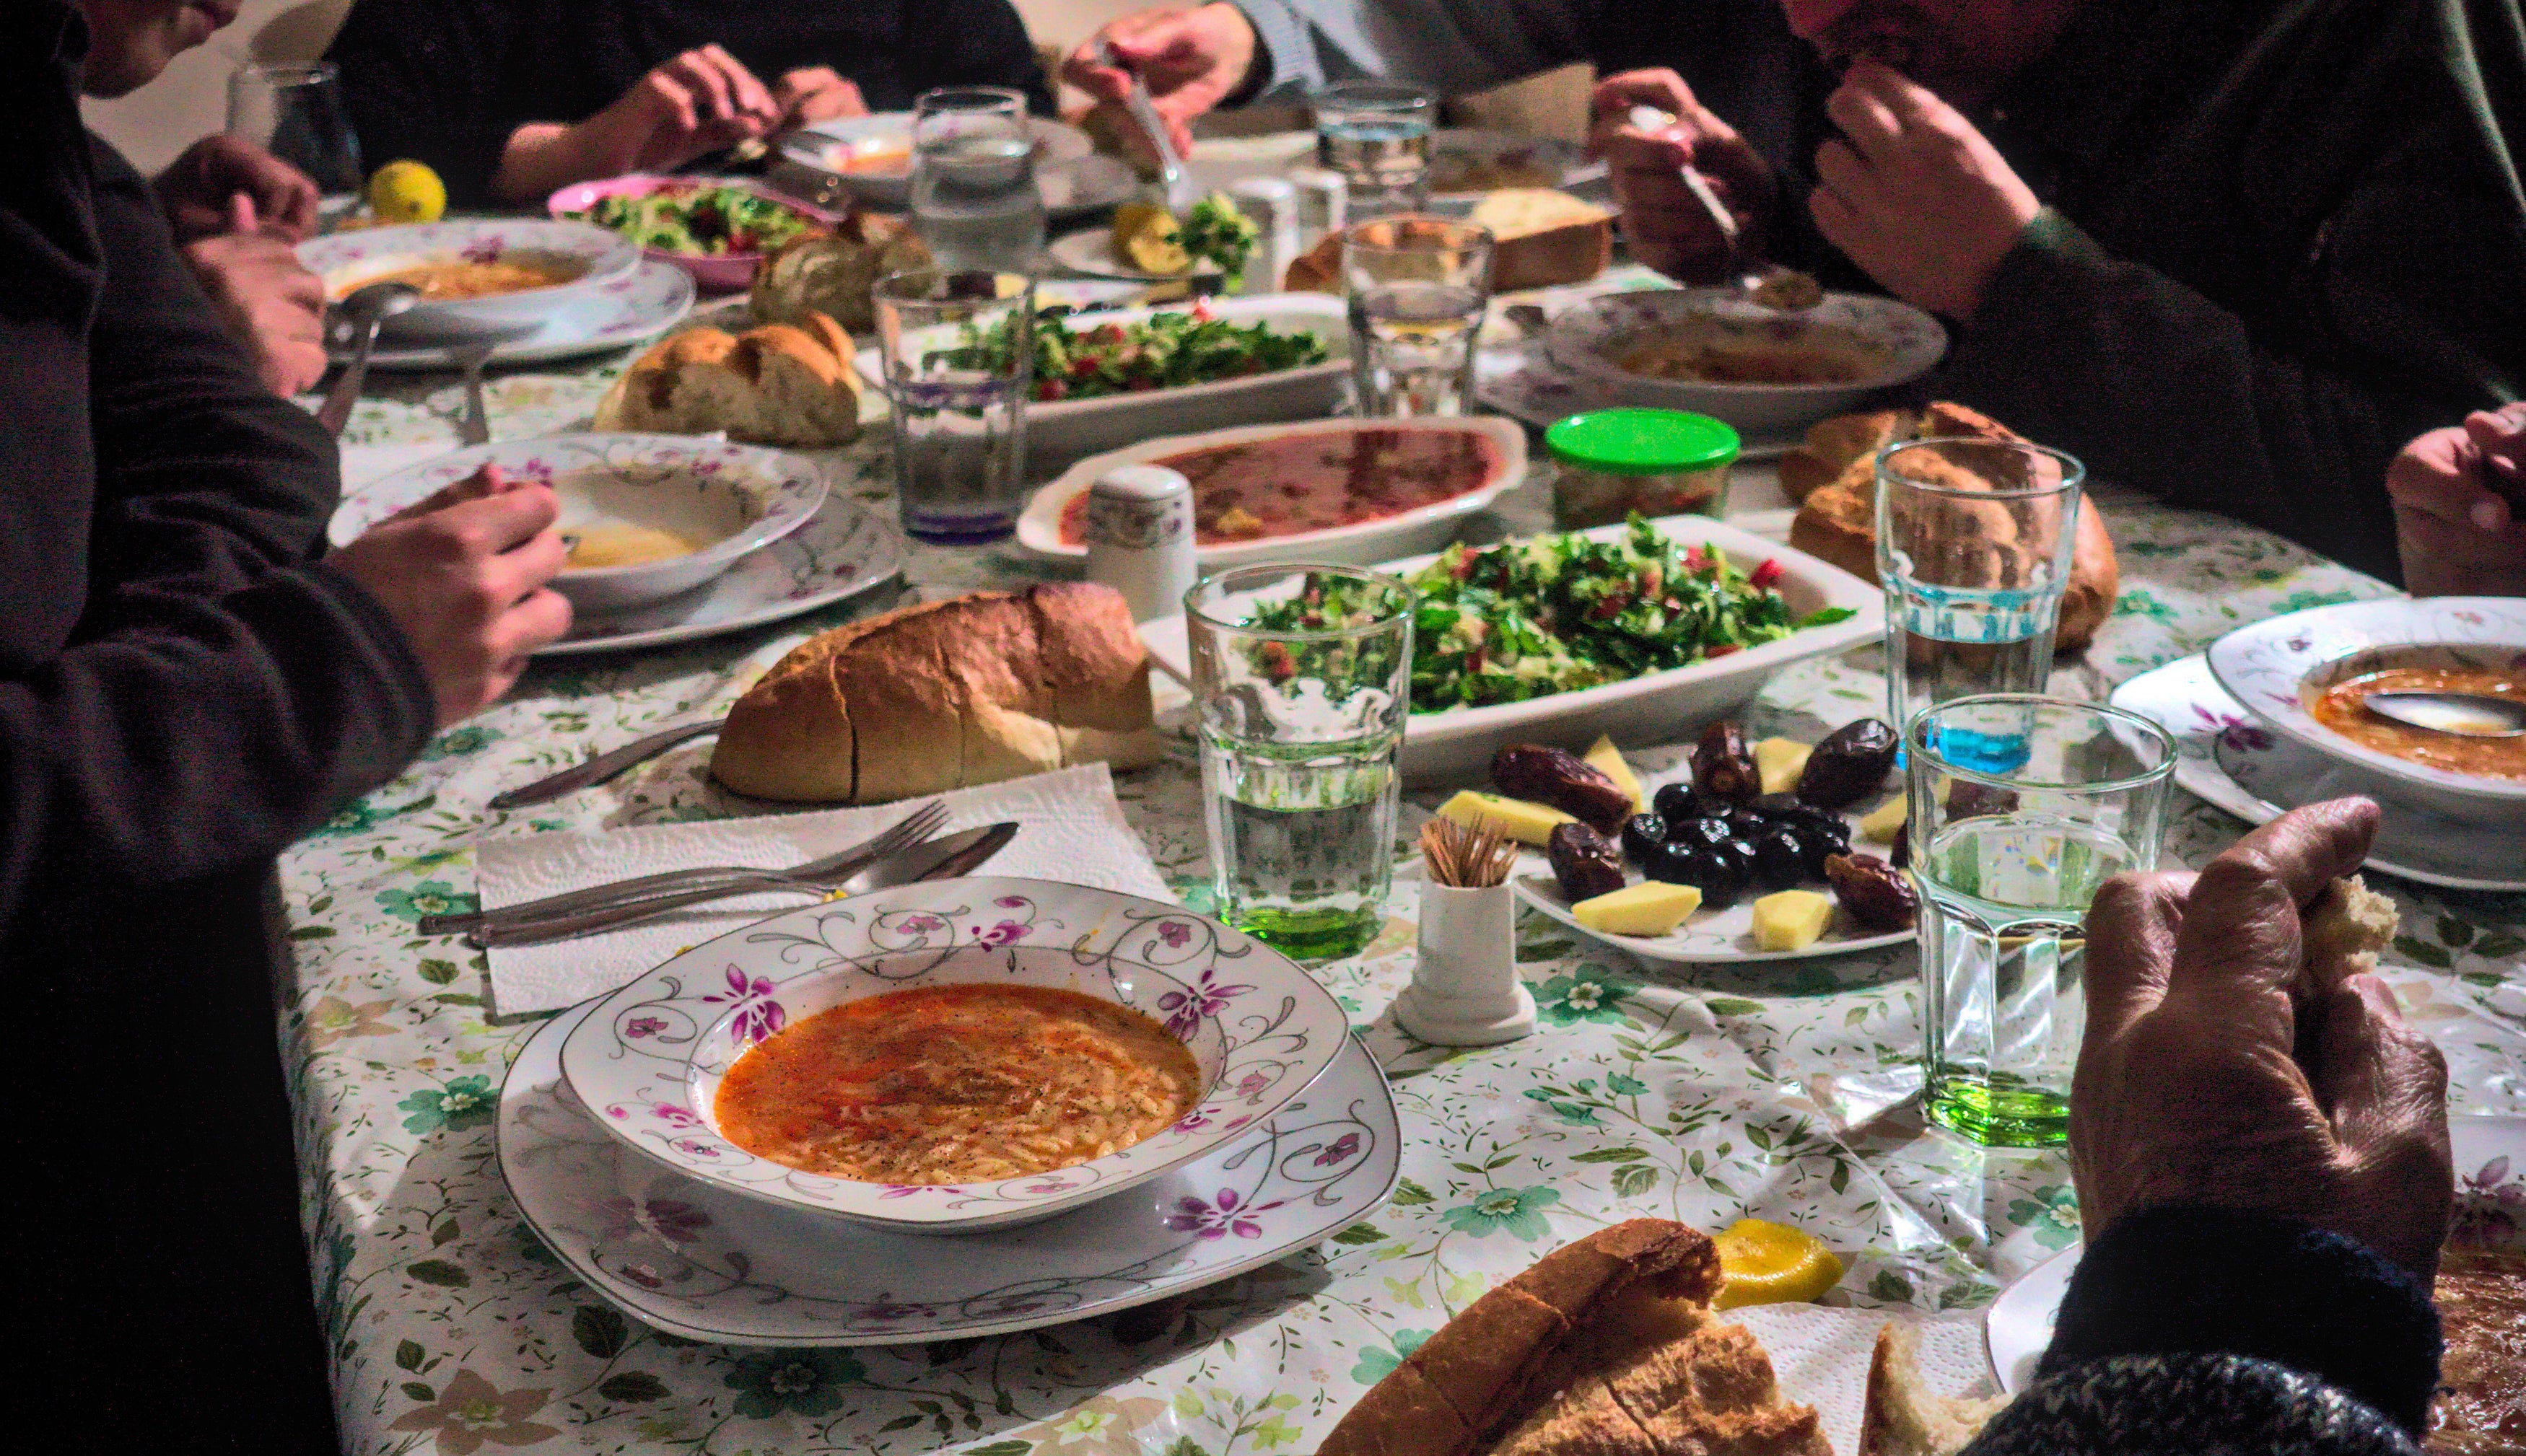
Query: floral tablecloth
[[1702, 1095]]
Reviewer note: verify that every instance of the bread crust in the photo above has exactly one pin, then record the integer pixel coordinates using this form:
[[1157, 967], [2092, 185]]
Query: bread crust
[[705, 379]]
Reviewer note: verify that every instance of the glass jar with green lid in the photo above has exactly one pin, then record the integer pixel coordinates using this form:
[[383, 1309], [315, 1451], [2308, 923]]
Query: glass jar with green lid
[[1610, 462]]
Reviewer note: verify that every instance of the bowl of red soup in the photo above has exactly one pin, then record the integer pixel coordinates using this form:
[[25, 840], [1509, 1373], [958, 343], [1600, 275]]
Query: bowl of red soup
[[958, 1055], [1344, 491]]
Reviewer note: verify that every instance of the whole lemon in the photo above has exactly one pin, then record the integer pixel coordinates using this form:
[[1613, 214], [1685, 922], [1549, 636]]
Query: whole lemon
[[407, 193]]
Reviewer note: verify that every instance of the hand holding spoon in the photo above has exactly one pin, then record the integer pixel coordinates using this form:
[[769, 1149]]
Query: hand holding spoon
[[1782, 290]]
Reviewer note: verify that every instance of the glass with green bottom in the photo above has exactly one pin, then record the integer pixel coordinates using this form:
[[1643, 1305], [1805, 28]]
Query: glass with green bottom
[[2020, 807], [1300, 719]]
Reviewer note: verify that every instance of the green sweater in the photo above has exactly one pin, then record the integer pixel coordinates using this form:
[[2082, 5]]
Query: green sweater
[[2280, 239]]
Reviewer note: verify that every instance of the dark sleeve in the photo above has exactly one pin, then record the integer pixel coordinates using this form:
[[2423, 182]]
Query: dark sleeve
[[423, 80], [223, 692], [2157, 1405], [974, 43]]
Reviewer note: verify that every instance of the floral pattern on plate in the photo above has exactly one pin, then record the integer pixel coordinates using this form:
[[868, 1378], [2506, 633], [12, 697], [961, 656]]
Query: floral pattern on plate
[[781, 489], [687, 1258], [652, 1059], [1908, 342]]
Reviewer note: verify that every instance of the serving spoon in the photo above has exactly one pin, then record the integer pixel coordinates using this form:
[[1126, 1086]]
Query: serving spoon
[[2462, 715], [366, 310]]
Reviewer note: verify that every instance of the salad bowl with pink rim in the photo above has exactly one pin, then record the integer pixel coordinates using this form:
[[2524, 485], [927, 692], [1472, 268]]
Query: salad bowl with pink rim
[[648, 1061]]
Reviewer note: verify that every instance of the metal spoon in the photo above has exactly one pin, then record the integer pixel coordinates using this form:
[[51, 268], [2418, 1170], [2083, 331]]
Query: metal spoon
[[1173, 180], [1782, 289], [365, 309], [2464, 715]]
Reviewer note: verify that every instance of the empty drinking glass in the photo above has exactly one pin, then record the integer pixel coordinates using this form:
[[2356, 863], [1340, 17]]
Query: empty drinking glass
[[296, 113], [1417, 287], [1376, 134], [974, 195], [959, 351]]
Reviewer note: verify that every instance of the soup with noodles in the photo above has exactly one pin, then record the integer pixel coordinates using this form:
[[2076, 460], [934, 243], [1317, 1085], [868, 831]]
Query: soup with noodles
[[449, 282]]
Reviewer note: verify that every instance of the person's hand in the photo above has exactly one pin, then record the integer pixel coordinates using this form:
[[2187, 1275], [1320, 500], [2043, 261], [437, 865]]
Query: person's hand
[[198, 191], [698, 102], [1667, 227], [267, 299], [466, 581], [816, 93], [2213, 1073], [2458, 494], [1915, 195], [1191, 60]]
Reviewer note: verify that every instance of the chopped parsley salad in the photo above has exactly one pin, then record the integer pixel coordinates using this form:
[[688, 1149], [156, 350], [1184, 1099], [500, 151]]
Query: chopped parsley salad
[[1164, 352], [710, 220], [1554, 614]]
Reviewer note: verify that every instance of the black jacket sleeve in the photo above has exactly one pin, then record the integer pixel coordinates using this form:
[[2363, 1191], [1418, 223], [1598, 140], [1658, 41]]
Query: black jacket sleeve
[[426, 80]]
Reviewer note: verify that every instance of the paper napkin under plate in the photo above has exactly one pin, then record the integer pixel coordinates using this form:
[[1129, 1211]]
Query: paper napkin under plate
[[1070, 829], [1820, 1353]]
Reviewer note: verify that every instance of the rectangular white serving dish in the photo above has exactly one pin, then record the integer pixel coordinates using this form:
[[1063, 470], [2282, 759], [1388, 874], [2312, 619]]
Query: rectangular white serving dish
[[1064, 431], [1456, 745]]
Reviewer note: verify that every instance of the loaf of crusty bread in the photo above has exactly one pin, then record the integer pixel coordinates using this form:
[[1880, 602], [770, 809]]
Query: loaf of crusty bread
[[832, 273], [1902, 1415], [1604, 1347], [1540, 239], [945, 695], [779, 384], [1837, 519]]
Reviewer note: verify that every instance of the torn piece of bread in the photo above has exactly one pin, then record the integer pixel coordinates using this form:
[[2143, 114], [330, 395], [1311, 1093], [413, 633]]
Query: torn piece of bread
[[1904, 1416], [2342, 930], [779, 384]]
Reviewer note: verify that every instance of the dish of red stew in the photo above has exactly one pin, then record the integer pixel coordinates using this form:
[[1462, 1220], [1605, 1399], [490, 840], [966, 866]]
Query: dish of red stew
[[1318, 479]]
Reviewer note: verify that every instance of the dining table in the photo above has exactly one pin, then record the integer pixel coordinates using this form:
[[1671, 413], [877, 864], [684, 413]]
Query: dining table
[[1783, 1091]]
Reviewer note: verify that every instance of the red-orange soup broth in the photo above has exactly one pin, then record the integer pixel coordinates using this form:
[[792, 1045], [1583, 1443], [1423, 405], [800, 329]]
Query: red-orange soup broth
[[1317, 480], [957, 1083], [2343, 709]]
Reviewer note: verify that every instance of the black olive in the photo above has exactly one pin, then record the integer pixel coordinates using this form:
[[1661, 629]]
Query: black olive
[[1699, 833], [1777, 805], [1668, 863], [1716, 874], [1738, 852], [1815, 847], [1900, 855], [1747, 822], [1809, 814], [1673, 803], [1780, 861], [1642, 833]]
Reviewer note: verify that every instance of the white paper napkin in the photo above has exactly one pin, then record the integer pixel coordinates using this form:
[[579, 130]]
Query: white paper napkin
[[1821, 1354], [362, 464], [1071, 829]]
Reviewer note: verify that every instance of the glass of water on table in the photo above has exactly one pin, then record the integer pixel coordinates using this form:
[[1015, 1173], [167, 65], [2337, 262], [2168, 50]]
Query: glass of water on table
[[297, 113], [1376, 135], [1974, 540], [2020, 807], [1415, 287], [959, 357], [1301, 676], [974, 197]]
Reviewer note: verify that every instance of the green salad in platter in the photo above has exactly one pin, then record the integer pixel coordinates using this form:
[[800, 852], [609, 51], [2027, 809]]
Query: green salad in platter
[[1554, 614], [1164, 352], [709, 220]]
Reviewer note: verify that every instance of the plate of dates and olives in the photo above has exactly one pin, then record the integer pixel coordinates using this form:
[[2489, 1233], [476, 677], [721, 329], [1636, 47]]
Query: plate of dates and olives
[[1768, 851]]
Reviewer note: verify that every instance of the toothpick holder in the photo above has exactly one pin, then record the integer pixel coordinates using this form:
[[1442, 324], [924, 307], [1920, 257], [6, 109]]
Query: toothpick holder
[[1465, 990]]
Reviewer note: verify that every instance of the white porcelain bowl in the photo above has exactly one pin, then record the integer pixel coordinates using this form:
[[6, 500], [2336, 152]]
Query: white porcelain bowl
[[1425, 528], [592, 256], [649, 1060], [884, 142], [1899, 343], [735, 499], [2280, 668], [1456, 745]]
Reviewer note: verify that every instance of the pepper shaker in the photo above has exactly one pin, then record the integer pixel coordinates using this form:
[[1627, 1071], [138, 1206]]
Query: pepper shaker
[[1139, 531]]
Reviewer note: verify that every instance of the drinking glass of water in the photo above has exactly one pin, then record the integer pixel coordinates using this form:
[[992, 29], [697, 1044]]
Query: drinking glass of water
[[959, 352], [1376, 135], [1974, 540], [2020, 807], [296, 113], [1302, 677], [1417, 287], [974, 195]]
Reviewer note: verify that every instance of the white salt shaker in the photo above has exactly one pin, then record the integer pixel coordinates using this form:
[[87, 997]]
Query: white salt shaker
[[1271, 203], [1332, 203], [1141, 538], [1465, 990]]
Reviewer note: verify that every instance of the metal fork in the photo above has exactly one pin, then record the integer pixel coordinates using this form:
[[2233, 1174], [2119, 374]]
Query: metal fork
[[474, 426], [814, 875]]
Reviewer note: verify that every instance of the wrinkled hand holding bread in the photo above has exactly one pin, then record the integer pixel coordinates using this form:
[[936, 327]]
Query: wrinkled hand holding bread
[[946, 695], [779, 384]]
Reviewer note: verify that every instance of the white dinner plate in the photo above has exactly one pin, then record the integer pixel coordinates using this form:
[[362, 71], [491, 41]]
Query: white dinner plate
[[710, 1265], [630, 309], [2226, 755], [2490, 1187], [1090, 250]]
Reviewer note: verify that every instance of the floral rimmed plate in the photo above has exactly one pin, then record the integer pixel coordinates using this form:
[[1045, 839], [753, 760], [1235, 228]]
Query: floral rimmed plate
[[2489, 1213], [694, 1261], [651, 1060], [2226, 755], [634, 309]]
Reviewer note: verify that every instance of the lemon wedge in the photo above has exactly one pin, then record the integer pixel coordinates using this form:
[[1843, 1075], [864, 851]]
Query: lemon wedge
[[407, 193], [1148, 238], [1770, 1263]]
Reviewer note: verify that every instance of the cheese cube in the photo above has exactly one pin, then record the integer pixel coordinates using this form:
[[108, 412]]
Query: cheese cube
[[1878, 824], [1781, 761], [1608, 760], [1527, 823], [1791, 920], [1649, 908]]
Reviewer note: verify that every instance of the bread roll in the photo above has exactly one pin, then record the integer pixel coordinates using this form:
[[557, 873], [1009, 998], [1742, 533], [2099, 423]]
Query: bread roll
[[778, 385], [1540, 239], [945, 695], [1904, 1416], [832, 273]]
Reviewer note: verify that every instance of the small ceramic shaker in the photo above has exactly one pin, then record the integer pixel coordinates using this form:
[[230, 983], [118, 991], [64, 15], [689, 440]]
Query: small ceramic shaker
[[1465, 990], [1141, 538], [1271, 203]]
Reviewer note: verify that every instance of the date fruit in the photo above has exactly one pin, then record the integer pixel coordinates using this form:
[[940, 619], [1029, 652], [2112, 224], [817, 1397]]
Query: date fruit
[[1723, 771], [1585, 862], [1876, 895], [1967, 800], [1849, 765], [1563, 780]]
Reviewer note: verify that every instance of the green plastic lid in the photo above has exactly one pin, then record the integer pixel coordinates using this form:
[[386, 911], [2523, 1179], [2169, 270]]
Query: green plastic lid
[[1643, 442]]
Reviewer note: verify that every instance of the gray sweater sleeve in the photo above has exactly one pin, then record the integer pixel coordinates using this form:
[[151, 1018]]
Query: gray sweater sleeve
[[1450, 45]]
